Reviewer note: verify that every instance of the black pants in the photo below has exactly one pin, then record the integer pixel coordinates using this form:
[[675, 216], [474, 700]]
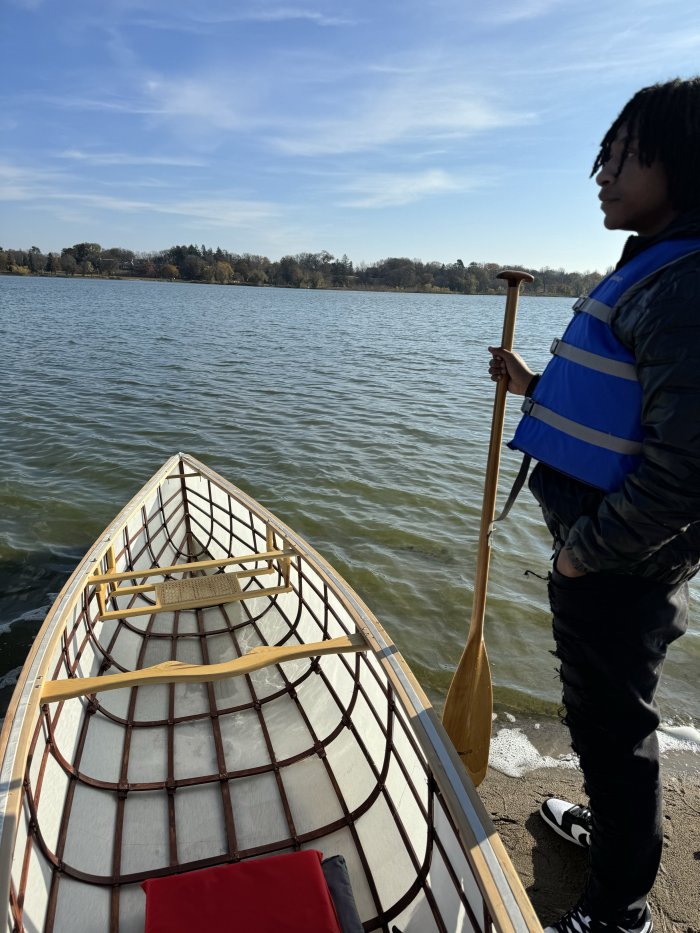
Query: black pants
[[612, 632]]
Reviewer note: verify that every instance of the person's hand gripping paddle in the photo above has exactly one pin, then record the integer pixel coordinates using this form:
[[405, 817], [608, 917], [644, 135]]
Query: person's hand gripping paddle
[[469, 706]]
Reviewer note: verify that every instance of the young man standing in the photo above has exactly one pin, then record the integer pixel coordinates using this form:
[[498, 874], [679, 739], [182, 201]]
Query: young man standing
[[614, 423]]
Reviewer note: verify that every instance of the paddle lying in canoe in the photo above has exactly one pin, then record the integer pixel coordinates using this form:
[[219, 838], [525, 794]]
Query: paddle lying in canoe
[[325, 741], [173, 672]]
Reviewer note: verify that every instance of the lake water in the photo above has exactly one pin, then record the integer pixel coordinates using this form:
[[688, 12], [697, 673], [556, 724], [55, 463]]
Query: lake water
[[360, 419]]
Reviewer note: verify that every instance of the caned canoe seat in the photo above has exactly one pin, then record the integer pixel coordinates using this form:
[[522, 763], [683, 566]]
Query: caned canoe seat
[[176, 593], [202, 590]]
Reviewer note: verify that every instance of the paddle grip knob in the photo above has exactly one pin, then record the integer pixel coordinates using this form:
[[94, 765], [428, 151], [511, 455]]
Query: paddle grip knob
[[515, 276]]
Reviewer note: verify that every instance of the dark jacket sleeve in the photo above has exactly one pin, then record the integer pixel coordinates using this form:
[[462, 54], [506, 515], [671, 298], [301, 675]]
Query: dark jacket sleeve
[[659, 500]]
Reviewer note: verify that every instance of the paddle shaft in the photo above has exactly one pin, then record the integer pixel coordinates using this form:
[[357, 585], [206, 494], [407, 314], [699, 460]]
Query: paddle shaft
[[488, 508], [469, 705]]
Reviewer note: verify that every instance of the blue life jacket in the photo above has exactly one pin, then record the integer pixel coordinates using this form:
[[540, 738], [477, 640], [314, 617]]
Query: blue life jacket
[[584, 417]]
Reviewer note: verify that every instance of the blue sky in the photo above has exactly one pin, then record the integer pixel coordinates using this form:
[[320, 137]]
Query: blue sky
[[438, 130]]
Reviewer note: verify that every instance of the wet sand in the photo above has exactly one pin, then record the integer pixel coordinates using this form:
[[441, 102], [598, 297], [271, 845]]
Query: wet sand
[[553, 870]]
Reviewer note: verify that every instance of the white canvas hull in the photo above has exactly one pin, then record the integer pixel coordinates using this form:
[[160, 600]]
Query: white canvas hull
[[341, 753]]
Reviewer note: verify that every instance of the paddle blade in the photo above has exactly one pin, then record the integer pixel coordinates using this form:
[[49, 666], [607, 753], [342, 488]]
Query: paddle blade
[[469, 710]]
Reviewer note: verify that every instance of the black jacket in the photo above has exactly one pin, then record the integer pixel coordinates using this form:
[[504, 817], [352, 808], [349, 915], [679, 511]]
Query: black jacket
[[651, 525]]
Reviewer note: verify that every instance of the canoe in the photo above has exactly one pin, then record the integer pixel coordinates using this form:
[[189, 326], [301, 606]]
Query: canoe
[[177, 714]]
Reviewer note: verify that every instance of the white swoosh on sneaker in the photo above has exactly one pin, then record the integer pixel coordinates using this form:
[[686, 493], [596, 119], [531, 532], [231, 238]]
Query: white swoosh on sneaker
[[581, 836]]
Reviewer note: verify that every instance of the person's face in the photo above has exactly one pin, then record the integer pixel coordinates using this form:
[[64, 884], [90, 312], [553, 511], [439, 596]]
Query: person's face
[[637, 198]]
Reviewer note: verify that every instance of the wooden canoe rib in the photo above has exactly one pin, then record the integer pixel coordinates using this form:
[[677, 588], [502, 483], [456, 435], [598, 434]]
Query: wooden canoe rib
[[339, 751]]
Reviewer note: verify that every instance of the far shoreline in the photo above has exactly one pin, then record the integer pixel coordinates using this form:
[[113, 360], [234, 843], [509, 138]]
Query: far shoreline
[[384, 290]]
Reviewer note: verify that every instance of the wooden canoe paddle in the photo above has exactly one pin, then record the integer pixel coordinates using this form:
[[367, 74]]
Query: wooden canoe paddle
[[178, 672], [469, 706]]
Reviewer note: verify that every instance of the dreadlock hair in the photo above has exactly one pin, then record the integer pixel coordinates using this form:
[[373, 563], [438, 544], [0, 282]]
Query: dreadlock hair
[[664, 120]]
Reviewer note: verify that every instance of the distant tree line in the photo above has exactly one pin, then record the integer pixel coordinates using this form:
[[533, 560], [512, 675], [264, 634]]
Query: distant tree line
[[304, 270]]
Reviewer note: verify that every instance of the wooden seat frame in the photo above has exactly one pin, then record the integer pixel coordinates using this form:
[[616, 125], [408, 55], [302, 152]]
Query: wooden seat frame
[[181, 593]]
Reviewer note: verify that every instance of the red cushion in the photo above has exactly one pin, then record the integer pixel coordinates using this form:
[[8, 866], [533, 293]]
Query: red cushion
[[281, 894]]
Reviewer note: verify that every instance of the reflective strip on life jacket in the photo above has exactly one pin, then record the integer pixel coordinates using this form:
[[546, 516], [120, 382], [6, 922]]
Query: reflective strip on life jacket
[[603, 364], [594, 308], [618, 445]]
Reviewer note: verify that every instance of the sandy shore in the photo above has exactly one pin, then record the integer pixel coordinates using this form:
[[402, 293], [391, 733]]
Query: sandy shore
[[553, 870]]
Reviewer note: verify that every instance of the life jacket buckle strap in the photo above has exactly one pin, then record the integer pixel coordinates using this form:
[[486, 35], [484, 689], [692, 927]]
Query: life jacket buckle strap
[[555, 344], [527, 406], [513, 494], [578, 304]]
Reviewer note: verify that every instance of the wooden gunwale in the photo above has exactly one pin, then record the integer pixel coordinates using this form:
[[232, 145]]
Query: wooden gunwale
[[492, 869]]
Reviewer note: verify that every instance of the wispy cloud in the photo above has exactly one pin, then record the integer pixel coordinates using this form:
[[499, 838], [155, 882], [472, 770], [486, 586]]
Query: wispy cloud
[[127, 158], [421, 107], [198, 101], [18, 183], [206, 20], [189, 102], [129, 105], [507, 12], [580, 72], [285, 13], [63, 190], [313, 108], [395, 189], [222, 212]]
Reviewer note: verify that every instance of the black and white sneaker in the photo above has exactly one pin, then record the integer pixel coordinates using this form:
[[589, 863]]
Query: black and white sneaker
[[577, 921], [570, 820]]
